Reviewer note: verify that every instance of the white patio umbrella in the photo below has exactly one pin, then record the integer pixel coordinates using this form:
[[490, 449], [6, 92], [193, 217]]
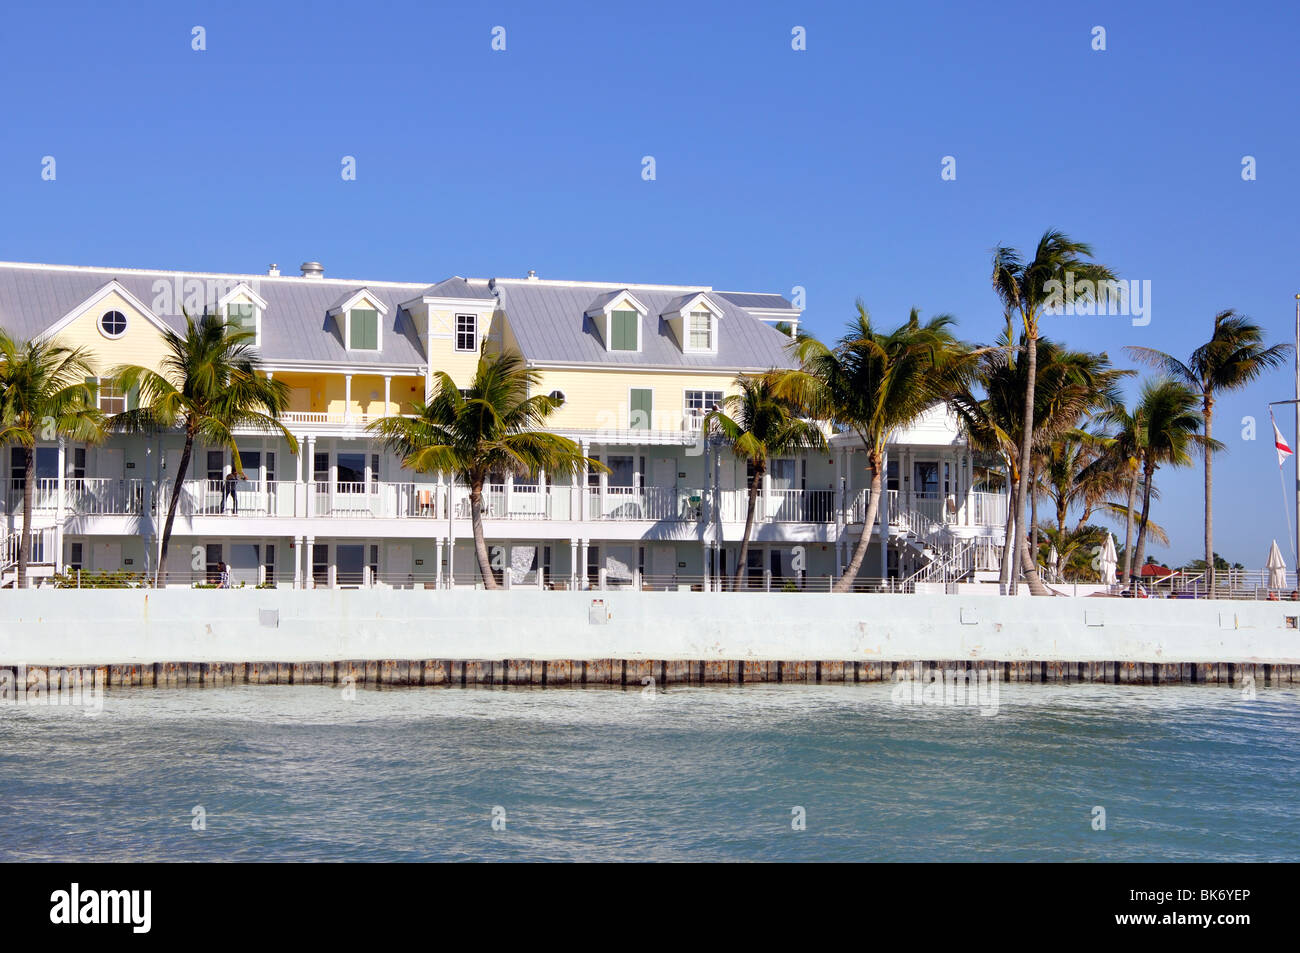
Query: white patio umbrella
[[1276, 568], [1053, 560], [1109, 560]]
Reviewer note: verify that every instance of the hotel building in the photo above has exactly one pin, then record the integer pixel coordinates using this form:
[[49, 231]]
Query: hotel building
[[638, 367]]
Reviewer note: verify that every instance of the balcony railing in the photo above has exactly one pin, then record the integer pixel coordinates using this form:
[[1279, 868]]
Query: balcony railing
[[922, 513]]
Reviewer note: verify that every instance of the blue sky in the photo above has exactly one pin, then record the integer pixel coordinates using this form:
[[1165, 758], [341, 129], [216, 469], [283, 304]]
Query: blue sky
[[775, 168]]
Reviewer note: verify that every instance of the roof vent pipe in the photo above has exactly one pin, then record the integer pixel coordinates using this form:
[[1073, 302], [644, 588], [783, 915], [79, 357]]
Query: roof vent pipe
[[273, 271], [313, 269], [532, 275]]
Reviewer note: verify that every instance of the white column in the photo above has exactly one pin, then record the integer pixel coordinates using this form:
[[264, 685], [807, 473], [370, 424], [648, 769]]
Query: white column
[[883, 510], [437, 563], [583, 492], [60, 505], [573, 564], [309, 478], [582, 565], [308, 554], [347, 397], [388, 390]]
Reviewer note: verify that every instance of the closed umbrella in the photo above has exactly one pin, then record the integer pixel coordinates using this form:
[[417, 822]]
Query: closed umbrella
[[1053, 560], [1276, 568], [1109, 560]]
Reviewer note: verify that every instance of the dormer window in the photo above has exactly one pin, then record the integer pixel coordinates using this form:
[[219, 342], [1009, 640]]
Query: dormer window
[[694, 320], [618, 317], [701, 331], [241, 308], [467, 332], [360, 315], [363, 329]]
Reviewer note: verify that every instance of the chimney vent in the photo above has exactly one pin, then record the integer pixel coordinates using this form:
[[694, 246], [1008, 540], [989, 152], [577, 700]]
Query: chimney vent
[[273, 271], [532, 275], [313, 269]]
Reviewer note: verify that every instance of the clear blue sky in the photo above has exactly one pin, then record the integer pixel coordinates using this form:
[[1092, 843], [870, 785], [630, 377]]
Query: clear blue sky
[[775, 168]]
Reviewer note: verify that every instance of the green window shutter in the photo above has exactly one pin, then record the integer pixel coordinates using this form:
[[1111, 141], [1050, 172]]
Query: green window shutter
[[133, 397], [93, 384], [623, 331], [365, 329], [641, 404]]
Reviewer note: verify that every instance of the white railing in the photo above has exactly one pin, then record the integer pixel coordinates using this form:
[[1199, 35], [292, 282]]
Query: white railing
[[333, 419], [656, 503], [988, 509], [41, 552], [45, 494], [104, 496]]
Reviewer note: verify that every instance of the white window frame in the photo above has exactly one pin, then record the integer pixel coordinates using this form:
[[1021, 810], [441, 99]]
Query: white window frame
[[456, 332], [712, 330], [257, 318], [126, 323], [100, 383]]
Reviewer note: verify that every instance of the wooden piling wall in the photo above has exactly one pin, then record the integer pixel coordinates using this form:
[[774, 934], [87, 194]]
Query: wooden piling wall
[[637, 673]]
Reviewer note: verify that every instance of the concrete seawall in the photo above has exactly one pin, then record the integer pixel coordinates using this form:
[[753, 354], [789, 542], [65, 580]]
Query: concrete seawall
[[527, 637]]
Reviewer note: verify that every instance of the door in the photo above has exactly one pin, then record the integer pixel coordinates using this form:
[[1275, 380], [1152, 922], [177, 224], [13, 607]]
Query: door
[[107, 557], [663, 564], [399, 566], [662, 497], [245, 558]]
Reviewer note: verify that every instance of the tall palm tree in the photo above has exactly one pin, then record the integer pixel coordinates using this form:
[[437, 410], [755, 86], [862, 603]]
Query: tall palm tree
[[1027, 289], [1125, 450], [757, 425], [207, 385], [873, 383], [43, 396], [492, 427], [1233, 357], [1170, 425]]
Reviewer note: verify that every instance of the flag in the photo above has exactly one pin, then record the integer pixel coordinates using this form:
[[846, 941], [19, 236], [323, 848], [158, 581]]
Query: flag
[[1280, 444]]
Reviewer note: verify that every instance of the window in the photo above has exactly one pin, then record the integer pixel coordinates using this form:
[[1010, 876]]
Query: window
[[76, 553], [373, 562], [112, 324], [216, 464], [112, 399], [320, 564], [364, 329], [467, 332], [623, 330], [351, 473], [701, 331], [320, 468], [269, 563], [700, 402], [622, 470], [78, 463], [242, 316]]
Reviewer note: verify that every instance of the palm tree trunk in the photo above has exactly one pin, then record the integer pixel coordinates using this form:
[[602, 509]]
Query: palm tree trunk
[[25, 540], [480, 544], [1128, 530], [850, 574], [181, 469], [743, 559], [1208, 411], [1027, 563], [1146, 510], [1033, 513], [1007, 574]]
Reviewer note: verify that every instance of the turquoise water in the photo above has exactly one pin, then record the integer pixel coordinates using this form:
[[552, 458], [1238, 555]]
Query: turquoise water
[[301, 773]]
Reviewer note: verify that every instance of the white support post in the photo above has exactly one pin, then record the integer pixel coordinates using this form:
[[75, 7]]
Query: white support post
[[437, 563], [388, 393], [60, 505], [582, 565], [309, 562], [573, 564], [347, 398], [883, 516]]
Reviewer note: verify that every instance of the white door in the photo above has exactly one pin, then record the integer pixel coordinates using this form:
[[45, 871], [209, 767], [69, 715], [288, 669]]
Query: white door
[[107, 557], [111, 464], [398, 574], [244, 560]]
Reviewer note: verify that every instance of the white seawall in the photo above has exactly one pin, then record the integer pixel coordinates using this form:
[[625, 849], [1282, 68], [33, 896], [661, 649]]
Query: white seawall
[[87, 627]]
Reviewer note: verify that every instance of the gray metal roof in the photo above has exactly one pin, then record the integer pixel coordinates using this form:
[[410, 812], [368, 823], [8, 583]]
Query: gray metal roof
[[759, 302], [458, 287], [294, 326], [550, 324]]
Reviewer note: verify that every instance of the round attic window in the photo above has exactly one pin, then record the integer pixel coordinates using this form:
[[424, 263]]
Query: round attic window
[[557, 395], [112, 324]]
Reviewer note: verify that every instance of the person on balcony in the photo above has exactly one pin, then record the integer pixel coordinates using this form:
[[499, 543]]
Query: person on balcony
[[228, 490]]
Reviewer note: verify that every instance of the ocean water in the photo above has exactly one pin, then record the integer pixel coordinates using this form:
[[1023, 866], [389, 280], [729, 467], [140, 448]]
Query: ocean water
[[303, 773]]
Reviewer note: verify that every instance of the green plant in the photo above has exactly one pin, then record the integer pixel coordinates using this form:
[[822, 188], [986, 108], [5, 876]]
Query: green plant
[[115, 579]]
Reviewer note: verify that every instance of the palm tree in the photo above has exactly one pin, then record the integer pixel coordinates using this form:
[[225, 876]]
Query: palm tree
[[873, 383], [1234, 356], [1071, 385], [490, 428], [1125, 448], [1170, 425], [1027, 289], [208, 386], [757, 425], [43, 395]]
